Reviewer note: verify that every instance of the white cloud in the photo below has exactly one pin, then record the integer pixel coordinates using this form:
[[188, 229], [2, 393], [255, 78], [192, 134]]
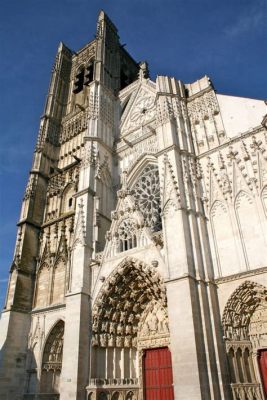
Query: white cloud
[[252, 19]]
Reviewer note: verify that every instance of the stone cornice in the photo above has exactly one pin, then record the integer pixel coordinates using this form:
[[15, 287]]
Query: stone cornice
[[240, 275], [199, 94], [194, 278], [48, 309], [29, 222], [62, 217]]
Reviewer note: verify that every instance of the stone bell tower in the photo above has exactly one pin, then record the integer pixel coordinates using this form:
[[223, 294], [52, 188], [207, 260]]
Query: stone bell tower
[[65, 214]]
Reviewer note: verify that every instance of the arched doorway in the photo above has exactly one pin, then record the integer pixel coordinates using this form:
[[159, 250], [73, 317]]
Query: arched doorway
[[245, 331], [129, 321], [52, 360]]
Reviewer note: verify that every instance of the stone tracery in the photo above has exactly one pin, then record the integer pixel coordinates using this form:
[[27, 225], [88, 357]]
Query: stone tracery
[[52, 360], [147, 193], [127, 234]]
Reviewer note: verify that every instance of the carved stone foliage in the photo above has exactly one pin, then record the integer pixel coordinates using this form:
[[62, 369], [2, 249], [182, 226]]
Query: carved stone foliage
[[121, 303], [147, 194], [79, 234], [170, 191], [240, 166], [240, 308]]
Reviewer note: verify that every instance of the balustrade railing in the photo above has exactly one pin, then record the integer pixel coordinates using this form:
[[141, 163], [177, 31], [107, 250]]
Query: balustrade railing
[[113, 381]]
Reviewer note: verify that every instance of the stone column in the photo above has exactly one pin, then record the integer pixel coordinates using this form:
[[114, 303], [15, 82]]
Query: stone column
[[199, 364]]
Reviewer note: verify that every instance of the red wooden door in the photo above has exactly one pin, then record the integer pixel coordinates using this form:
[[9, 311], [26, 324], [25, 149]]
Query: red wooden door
[[158, 374], [263, 369]]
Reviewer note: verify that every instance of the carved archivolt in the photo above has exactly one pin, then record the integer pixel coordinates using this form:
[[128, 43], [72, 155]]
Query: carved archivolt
[[245, 322], [133, 299], [240, 308]]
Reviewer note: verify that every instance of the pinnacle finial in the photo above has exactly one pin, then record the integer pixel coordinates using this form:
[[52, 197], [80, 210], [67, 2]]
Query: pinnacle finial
[[101, 14], [143, 70]]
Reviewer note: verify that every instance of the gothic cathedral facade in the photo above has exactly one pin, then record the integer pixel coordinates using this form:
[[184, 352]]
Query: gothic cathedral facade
[[140, 266]]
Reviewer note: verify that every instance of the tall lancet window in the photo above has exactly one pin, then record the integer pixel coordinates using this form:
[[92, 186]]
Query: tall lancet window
[[147, 193]]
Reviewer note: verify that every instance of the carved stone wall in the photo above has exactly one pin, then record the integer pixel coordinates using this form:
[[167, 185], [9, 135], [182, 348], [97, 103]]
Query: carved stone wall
[[234, 186]]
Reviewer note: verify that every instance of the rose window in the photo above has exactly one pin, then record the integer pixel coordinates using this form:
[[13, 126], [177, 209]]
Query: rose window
[[147, 194]]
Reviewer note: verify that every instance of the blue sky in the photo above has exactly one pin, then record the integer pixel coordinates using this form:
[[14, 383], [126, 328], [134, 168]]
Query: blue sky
[[225, 40]]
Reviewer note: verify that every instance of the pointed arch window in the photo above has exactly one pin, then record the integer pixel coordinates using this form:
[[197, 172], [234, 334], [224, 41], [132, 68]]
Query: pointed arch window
[[84, 76], [79, 80], [52, 360], [127, 235]]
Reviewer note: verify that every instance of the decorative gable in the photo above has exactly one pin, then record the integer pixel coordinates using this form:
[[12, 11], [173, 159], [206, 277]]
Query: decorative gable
[[128, 228], [141, 108]]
